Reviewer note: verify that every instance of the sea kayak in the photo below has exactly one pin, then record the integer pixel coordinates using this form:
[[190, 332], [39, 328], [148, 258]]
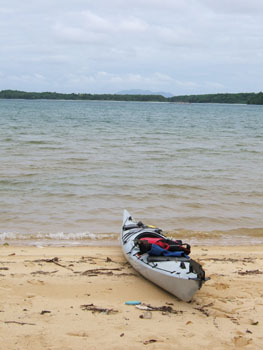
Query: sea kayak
[[179, 275]]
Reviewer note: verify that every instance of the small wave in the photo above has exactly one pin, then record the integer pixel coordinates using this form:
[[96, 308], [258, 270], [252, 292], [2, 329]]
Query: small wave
[[242, 236], [233, 236], [16, 182], [181, 186], [36, 142], [8, 139], [4, 182], [51, 148]]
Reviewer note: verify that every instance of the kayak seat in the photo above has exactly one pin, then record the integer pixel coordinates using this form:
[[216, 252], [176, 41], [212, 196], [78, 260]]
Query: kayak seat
[[150, 234], [152, 258]]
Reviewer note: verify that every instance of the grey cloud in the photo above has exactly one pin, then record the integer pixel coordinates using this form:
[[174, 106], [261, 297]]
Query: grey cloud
[[243, 7], [194, 46]]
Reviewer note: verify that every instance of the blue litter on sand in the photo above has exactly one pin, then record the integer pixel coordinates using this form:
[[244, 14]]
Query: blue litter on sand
[[132, 302]]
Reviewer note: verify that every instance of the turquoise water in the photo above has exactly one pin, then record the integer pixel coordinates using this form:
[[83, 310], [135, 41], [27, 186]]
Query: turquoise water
[[69, 168]]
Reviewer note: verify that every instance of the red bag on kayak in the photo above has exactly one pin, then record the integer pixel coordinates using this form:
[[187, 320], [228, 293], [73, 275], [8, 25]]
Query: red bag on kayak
[[168, 244]]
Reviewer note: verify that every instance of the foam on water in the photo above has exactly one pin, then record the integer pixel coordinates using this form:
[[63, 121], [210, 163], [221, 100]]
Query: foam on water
[[78, 236]]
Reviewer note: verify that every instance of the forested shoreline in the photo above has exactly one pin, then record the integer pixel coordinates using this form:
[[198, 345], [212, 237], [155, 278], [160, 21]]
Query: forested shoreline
[[243, 98]]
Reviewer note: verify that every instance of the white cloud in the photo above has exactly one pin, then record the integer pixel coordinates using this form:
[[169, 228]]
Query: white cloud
[[86, 26], [39, 76], [104, 81], [77, 35], [132, 24], [186, 84], [82, 27]]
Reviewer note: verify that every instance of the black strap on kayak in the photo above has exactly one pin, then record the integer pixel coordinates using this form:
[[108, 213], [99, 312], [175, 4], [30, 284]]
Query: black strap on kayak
[[194, 267], [129, 227], [139, 224], [145, 232], [197, 268], [152, 258], [129, 234]]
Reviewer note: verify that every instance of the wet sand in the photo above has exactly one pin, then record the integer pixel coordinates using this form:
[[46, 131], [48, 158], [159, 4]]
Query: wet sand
[[74, 298]]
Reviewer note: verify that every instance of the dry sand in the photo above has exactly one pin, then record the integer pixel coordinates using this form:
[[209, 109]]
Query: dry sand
[[46, 297]]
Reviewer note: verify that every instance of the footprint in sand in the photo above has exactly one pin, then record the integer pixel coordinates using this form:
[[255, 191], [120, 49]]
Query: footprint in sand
[[30, 295], [220, 286], [241, 341]]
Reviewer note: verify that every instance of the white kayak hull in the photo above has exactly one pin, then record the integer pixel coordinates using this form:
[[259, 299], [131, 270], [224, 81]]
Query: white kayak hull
[[182, 277]]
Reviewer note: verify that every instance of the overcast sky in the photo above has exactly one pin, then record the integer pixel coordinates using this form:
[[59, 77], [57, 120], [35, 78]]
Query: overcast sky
[[104, 46]]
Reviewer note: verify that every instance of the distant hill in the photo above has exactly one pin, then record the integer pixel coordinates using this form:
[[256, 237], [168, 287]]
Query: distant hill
[[144, 92]]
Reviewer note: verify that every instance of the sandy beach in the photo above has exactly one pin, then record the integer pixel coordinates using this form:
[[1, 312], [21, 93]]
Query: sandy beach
[[74, 298]]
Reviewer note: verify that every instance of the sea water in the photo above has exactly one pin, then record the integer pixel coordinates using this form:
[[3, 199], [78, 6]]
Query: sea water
[[69, 168]]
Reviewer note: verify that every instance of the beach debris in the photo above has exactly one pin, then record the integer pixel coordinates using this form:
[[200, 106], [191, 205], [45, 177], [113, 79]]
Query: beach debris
[[21, 323], [203, 309], [164, 308], [104, 271], [55, 261], [220, 259], [253, 323], [78, 334], [43, 272], [248, 331], [90, 259], [233, 260], [43, 312], [233, 319], [132, 302], [146, 342], [122, 334], [100, 271], [142, 307], [108, 259], [4, 268], [146, 315], [188, 322], [250, 272], [127, 274], [13, 254], [93, 308], [6, 244]]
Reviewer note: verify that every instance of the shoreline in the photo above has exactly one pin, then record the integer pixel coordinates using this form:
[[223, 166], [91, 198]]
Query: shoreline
[[244, 98], [104, 242], [74, 297], [231, 237]]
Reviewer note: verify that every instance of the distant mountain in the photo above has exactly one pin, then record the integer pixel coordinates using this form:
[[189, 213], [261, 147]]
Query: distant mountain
[[144, 92]]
